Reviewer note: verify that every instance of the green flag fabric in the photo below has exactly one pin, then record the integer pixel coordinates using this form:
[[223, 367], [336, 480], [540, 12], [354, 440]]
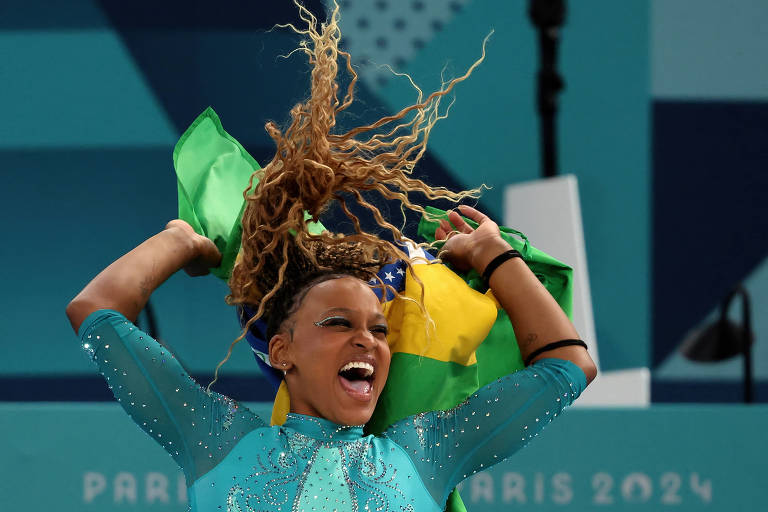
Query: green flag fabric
[[499, 354], [212, 170]]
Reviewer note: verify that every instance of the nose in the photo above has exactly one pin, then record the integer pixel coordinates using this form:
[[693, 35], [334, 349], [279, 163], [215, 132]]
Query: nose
[[364, 338]]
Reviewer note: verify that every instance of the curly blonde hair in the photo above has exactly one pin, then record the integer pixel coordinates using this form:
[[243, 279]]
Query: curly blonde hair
[[314, 166]]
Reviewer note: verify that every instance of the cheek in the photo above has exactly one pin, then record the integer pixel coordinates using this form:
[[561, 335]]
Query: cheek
[[317, 359]]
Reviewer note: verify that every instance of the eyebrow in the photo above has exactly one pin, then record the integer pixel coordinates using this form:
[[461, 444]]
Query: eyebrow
[[379, 316]]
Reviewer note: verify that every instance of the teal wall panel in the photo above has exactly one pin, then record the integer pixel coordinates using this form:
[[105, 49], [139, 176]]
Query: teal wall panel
[[26, 15], [76, 88], [76, 211], [710, 86], [709, 49], [604, 132], [83, 458], [490, 135]]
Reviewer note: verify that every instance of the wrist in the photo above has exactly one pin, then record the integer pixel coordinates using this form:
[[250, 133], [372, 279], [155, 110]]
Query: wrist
[[484, 252], [184, 243]]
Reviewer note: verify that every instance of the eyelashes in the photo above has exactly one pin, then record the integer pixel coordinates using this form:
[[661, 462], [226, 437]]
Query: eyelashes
[[334, 321], [380, 329]]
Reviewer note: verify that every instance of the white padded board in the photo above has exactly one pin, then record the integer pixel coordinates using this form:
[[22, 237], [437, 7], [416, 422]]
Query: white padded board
[[548, 211]]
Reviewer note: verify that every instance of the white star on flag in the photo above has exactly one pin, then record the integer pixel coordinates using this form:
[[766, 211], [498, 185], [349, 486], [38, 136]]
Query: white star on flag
[[389, 277], [415, 253], [400, 271]]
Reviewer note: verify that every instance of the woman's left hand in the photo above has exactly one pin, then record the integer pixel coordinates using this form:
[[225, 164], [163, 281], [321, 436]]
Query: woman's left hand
[[536, 318], [466, 247]]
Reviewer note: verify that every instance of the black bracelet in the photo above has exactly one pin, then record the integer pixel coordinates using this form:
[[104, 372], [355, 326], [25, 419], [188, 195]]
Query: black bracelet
[[498, 260], [552, 346]]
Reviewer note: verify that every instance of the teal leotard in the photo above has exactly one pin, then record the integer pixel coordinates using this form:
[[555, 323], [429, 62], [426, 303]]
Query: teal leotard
[[234, 461]]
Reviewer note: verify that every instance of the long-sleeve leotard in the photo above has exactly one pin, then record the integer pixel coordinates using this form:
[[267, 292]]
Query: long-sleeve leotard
[[195, 427], [215, 439]]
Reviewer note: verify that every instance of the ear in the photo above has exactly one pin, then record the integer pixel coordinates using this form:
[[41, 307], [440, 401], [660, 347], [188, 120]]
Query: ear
[[280, 352]]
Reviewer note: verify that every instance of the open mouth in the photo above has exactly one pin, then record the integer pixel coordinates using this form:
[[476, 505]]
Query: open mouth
[[357, 378]]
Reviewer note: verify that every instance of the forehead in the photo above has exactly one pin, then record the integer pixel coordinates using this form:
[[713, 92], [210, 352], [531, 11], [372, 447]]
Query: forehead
[[343, 293]]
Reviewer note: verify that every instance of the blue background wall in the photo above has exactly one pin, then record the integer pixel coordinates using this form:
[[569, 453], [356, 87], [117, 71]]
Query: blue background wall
[[663, 120], [710, 172]]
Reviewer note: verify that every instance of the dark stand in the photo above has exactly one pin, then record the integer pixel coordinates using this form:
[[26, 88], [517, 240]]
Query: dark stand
[[724, 339], [745, 341], [547, 16], [151, 328]]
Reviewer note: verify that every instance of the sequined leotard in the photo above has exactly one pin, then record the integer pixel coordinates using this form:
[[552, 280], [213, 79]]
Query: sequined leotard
[[234, 461]]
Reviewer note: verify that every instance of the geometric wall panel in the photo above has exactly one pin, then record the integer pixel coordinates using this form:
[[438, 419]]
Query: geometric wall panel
[[710, 221]]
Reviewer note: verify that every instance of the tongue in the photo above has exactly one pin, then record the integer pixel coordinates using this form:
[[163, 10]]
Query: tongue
[[359, 386]]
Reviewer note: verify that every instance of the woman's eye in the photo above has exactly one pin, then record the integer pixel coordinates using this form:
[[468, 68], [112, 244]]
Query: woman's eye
[[380, 329], [333, 321], [340, 321]]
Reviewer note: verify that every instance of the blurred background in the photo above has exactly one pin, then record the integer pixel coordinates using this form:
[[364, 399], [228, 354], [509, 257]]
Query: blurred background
[[659, 204]]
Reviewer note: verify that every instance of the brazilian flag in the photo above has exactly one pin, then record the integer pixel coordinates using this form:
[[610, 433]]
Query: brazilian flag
[[436, 365]]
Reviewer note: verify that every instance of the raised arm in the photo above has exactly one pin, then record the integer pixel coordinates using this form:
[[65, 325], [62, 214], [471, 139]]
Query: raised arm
[[502, 417], [536, 317], [446, 447], [126, 284], [197, 428]]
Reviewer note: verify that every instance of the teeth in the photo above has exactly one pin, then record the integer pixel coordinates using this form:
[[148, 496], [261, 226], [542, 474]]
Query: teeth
[[359, 364]]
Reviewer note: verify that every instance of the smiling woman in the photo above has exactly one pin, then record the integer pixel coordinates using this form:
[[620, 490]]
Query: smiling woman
[[334, 351], [327, 329], [336, 358]]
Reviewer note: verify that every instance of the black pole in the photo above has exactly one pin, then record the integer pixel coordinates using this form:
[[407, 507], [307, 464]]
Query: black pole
[[151, 329], [746, 334], [548, 16], [746, 318]]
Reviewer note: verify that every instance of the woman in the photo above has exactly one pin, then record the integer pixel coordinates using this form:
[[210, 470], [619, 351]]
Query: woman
[[327, 332], [332, 346]]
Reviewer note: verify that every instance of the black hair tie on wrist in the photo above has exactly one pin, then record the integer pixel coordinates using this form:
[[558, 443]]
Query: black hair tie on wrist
[[498, 260], [552, 346]]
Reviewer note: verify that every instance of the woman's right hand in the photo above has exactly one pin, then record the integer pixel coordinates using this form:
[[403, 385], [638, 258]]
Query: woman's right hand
[[206, 253]]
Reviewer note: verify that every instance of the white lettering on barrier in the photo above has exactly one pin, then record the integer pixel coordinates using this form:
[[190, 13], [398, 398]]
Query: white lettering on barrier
[[561, 482], [670, 483], [156, 485], [635, 487], [703, 489], [513, 488], [181, 488], [482, 488], [125, 487], [636, 481], [602, 484], [93, 484], [607, 489], [538, 487]]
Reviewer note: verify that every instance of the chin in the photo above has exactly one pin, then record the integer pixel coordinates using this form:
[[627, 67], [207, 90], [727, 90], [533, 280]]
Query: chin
[[351, 417], [351, 406]]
